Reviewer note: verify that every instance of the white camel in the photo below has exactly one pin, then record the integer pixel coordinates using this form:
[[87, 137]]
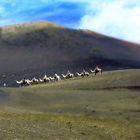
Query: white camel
[[34, 81], [57, 77], [51, 79], [46, 79], [82, 74], [68, 75], [92, 71], [85, 73], [78, 74], [41, 80], [64, 76], [24, 82], [19, 82]]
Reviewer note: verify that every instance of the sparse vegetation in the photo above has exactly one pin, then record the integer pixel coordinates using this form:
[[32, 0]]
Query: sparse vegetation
[[102, 107]]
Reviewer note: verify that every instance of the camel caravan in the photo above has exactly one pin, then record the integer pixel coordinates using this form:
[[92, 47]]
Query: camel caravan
[[56, 77]]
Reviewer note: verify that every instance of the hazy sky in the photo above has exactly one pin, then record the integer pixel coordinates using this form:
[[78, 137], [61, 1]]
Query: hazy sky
[[118, 18]]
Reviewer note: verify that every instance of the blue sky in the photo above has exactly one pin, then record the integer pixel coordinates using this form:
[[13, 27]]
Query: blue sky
[[63, 12], [118, 18]]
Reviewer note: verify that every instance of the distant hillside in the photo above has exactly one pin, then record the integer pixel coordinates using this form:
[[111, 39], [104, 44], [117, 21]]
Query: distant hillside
[[35, 48]]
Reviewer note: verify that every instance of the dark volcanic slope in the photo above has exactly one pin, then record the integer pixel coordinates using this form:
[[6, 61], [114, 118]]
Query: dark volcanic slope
[[35, 48]]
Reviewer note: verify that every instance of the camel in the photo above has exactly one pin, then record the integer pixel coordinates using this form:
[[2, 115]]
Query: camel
[[40, 80], [98, 70], [24, 82], [85, 73], [51, 79], [64, 76], [67, 76], [57, 77], [19, 82], [92, 71], [46, 79], [70, 75], [34, 81], [78, 74], [82, 74]]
